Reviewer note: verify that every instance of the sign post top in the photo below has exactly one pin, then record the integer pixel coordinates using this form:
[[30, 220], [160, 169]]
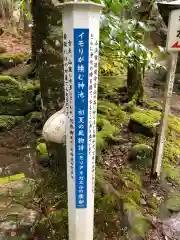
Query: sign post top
[[177, 2], [166, 7], [173, 34], [81, 4]]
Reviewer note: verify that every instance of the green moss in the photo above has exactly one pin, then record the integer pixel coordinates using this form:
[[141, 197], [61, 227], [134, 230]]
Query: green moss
[[16, 106], [149, 103], [112, 112], [105, 132], [9, 86], [130, 178], [117, 193], [31, 85], [152, 202], [174, 124], [12, 59], [131, 187], [130, 107], [12, 178], [16, 98], [138, 223], [171, 169], [34, 117], [141, 139], [170, 172], [112, 83], [141, 155], [147, 118], [173, 202], [41, 149], [8, 122], [110, 87], [110, 67], [172, 152]]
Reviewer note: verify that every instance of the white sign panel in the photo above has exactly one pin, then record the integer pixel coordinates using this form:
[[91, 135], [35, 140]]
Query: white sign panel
[[173, 37], [81, 50]]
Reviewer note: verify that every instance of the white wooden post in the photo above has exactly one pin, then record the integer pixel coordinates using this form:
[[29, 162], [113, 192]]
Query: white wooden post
[[173, 47], [81, 50], [165, 113]]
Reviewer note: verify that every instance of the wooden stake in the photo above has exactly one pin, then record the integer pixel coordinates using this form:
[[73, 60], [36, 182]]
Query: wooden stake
[[156, 169]]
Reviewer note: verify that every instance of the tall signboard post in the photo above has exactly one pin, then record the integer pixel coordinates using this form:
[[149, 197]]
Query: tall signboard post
[[81, 50], [173, 47]]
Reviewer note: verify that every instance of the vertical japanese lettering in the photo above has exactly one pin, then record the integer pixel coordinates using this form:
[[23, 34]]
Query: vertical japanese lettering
[[69, 100], [81, 52]]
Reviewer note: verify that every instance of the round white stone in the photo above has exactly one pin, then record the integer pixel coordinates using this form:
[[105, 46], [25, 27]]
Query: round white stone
[[54, 129]]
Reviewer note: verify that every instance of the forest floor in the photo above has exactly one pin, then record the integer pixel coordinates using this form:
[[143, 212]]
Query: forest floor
[[17, 146]]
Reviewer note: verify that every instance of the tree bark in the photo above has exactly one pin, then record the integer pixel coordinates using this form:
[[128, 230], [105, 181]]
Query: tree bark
[[135, 74], [26, 17], [47, 54], [135, 84]]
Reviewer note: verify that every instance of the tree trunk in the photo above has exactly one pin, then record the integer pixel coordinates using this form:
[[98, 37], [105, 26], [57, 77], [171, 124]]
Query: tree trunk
[[48, 57], [135, 84], [135, 74], [26, 17]]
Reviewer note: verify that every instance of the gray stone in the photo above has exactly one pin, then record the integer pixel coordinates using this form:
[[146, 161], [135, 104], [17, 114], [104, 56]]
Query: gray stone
[[171, 227], [15, 217]]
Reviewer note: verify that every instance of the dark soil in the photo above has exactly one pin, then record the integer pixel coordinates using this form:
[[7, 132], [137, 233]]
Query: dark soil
[[17, 151]]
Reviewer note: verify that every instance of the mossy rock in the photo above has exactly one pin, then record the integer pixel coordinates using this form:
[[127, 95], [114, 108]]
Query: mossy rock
[[137, 223], [33, 85], [8, 122], [9, 87], [112, 88], [141, 155], [145, 122], [112, 112], [106, 133], [17, 106], [9, 60], [171, 172], [34, 117], [16, 98], [141, 139], [18, 71], [173, 202], [150, 104], [172, 152], [174, 124], [171, 157]]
